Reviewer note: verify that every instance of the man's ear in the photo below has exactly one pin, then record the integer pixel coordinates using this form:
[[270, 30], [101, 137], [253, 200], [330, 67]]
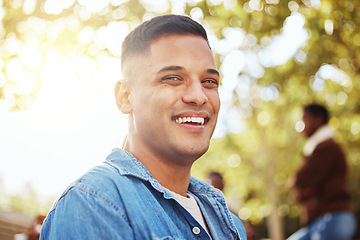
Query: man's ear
[[122, 96]]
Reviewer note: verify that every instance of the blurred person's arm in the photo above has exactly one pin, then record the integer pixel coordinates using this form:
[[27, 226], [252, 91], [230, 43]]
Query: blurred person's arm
[[313, 173]]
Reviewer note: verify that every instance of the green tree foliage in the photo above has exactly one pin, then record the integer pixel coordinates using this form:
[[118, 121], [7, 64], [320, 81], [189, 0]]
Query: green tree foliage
[[27, 202], [269, 147], [264, 96], [33, 32]]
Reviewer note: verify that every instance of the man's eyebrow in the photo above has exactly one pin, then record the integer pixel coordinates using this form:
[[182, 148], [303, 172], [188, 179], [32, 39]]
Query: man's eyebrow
[[213, 71], [174, 68], [170, 68]]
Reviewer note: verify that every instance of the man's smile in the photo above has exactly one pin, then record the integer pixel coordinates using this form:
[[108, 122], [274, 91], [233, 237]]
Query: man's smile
[[195, 120], [192, 118]]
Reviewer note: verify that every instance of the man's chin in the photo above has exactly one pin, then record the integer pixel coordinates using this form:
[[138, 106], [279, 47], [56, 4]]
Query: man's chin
[[197, 151]]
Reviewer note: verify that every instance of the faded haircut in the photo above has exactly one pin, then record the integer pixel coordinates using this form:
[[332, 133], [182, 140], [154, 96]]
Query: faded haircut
[[138, 41], [317, 110]]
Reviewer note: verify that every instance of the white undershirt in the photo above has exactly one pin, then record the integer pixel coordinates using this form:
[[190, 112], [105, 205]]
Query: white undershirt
[[190, 204]]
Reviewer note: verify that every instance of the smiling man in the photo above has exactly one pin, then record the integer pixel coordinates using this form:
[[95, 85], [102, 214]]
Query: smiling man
[[145, 191]]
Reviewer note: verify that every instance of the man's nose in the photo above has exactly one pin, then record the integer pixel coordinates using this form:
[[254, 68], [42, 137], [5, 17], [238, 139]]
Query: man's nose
[[194, 94]]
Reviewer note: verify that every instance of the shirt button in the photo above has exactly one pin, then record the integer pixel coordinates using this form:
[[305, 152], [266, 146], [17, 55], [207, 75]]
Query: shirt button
[[196, 230]]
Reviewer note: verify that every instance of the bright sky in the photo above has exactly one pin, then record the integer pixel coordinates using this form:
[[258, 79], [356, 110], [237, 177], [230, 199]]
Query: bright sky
[[73, 123]]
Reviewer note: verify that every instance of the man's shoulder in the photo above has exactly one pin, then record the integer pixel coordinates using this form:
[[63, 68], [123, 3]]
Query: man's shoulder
[[329, 150], [238, 224], [102, 177], [328, 142], [92, 200], [329, 145], [115, 169], [103, 174], [106, 180], [99, 182]]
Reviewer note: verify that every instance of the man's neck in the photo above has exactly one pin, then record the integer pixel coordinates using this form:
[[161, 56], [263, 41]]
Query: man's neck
[[170, 174]]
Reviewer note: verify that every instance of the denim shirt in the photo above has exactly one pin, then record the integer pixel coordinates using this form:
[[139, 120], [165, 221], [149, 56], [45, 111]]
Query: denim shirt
[[119, 199]]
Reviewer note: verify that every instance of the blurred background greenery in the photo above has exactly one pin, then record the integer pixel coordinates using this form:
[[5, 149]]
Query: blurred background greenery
[[274, 56]]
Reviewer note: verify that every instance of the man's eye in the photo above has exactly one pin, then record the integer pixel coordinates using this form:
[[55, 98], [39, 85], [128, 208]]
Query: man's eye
[[210, 83], [171, 78]]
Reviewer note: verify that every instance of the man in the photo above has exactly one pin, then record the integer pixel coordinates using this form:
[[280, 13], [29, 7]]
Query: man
[[321, 182], [170, 92], [216, 180]]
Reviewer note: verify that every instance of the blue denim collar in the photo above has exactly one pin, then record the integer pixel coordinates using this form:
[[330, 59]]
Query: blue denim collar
[[122, 197], [127, 164]]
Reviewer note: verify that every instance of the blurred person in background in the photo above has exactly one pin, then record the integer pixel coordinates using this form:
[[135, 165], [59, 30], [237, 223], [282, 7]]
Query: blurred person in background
[[33, 232], [145, 191], [321, 182], [216, 180]]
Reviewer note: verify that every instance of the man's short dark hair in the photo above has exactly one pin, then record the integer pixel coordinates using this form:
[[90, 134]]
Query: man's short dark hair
[[215, 174], [138, 41], [317, 110]]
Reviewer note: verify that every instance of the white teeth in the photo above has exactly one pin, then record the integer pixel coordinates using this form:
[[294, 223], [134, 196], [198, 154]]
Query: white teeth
[[199, 120]]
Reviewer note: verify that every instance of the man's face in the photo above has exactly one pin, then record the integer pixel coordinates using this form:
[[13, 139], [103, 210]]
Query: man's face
[[312, 123], [174, 95]]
